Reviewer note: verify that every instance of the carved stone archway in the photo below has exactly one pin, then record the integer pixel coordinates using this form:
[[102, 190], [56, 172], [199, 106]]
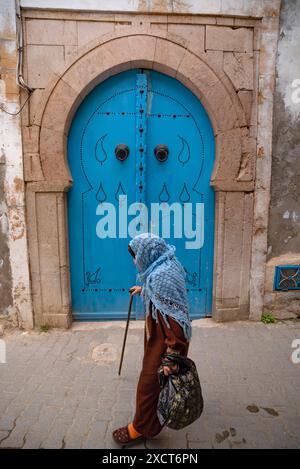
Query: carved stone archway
[[50, 178]]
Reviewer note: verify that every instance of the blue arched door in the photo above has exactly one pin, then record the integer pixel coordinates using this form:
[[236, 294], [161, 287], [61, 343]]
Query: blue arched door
[[138, 139]]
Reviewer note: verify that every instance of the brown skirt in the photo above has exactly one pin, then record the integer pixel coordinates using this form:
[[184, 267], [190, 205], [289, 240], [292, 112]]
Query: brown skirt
[[157, 338]]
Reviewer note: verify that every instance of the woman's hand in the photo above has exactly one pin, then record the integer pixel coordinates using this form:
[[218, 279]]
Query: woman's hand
[[171, 369], [136, 289]]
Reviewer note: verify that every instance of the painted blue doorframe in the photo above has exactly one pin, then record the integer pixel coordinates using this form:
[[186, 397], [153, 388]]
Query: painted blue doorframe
[[135, 111]]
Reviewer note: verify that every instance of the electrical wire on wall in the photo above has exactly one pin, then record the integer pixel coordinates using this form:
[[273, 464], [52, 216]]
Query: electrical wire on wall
[[19, 77]]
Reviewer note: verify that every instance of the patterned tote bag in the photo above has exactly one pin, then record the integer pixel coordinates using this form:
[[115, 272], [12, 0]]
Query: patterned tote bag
[[180, 400]]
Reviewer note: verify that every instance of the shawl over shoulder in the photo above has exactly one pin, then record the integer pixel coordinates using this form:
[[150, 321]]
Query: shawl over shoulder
[[163, 279]]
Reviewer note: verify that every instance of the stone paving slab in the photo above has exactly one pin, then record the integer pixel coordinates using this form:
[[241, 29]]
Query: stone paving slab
[[61, 389]]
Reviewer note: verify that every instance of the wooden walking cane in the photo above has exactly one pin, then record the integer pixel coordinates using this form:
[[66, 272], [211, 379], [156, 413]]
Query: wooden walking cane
[[126, 330]]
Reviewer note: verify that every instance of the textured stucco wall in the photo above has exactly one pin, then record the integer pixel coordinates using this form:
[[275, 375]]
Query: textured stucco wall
[[284, 220], [284, 227], [255, 8], [7, 62], [5, 271], [15, 296]]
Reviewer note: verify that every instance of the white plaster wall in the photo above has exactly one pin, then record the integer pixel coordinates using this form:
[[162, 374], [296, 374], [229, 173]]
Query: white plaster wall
[[11, 155], [284, 226], [288, 62], [253, 8]]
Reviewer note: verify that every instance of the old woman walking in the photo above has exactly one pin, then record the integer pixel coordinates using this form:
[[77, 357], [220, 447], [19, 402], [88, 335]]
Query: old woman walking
[[167, 328]]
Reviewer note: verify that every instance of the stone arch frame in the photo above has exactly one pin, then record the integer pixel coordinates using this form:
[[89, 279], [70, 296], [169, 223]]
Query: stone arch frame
[[51, 178]]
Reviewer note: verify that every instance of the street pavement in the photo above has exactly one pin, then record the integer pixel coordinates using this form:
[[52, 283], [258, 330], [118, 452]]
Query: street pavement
[[61, 389]]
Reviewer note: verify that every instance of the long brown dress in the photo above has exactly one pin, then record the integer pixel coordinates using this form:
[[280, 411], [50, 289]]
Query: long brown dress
[[158, 339]]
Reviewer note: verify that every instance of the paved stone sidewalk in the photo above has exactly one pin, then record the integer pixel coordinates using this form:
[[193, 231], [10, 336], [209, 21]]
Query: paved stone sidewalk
[[61, 389]]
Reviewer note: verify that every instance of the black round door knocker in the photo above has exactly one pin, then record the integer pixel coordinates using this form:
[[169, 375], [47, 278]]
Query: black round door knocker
[[161, 152], [121, 152]]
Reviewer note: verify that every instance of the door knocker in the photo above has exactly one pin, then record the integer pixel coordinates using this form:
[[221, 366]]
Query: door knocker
[[122, 152], [161, 152]]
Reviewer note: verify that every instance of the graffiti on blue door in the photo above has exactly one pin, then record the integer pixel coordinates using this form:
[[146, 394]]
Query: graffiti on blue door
[[143, 135]]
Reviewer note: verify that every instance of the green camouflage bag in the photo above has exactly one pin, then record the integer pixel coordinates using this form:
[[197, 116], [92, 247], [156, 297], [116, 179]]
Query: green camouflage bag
[[180, 400]]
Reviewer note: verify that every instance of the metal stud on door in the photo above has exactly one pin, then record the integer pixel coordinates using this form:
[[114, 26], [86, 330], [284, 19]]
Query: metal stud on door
[[144, 135]]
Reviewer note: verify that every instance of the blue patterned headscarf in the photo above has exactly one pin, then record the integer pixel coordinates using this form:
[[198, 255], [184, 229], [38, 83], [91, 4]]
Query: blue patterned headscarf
[[163, 279]]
